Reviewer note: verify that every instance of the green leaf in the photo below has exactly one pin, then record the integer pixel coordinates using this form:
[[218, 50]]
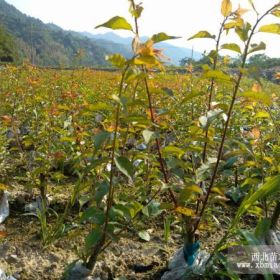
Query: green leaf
[[100, 138], [116, 23], [101, 190], [271, 28], [185, 211], [116, 60], [276, 13], [125, 166], [217, 74], [172, 150], [94, 237], [3, 187], [168, 91], [204, 170], [99, 106], [63, 107], [166, 206], [226, 8], [116, 98], [243, 148], [257, 96], [203, 121], [262, 228], [135, 10], [95, 215], [250, 238], [188, 191], [243, 32], [68, 139], [162, 37], [144, 235], [83, 199], [232, 47], [133, 74], [230, 162], [262, 115], [148, 135], [118, 212], [238, 22], [129, 210], [202, 34], [134, 208], [257, 47], [126, 213], [152, 209], [269, 188], [139, 120], [193, 94], [147, 59]]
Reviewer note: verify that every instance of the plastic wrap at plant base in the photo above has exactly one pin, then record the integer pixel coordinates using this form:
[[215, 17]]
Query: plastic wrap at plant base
[[274, 237], [76, 271], [183, 265], [190, 251], [4, 207], [36, 205], [3, 276]]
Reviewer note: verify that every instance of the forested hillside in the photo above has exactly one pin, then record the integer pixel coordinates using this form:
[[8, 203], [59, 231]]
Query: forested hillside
[[7, 49], [47, 44]]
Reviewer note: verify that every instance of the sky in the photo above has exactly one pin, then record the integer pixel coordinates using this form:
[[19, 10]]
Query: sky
[[175, 17]]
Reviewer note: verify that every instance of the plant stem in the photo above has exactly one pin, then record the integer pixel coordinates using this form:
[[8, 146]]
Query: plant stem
[[211, 91], [96, 250], [236, 88], [161, 161], [123, 229], [127, 129]]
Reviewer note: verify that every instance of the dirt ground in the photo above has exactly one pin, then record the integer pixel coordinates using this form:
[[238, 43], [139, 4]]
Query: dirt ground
[[23, 256]]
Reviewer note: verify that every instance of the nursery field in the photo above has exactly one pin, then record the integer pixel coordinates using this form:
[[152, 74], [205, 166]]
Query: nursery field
[[57, 132], [142, 172]]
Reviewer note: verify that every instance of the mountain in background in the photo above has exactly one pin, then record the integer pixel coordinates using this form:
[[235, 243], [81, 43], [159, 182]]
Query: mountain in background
[[49, 45], [174, 53]]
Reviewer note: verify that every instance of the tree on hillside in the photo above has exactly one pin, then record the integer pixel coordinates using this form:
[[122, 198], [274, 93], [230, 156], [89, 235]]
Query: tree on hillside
[[263, 61], [7, 47]]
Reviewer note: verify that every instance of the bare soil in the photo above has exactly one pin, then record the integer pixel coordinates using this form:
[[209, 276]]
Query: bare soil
[[23, 255]]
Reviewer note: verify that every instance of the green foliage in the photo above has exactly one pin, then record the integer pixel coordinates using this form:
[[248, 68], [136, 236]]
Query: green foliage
[[93, 238], [233, 47], [116, 60], [271, 187], [262, 61], [148, 135], [116, 23], [48, 45], [226, 8], [160, 37], [125, 166], [257, 47], [270, 28], [202, 35], [144, 235], [142, 143], [8, 52]]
